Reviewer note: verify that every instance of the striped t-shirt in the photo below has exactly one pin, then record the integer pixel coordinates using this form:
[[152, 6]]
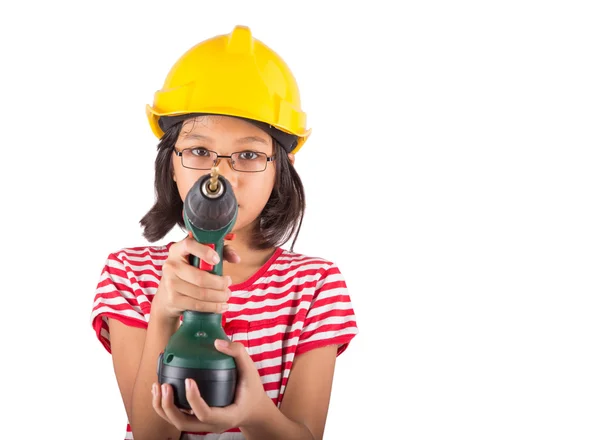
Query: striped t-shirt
[[292, 304]]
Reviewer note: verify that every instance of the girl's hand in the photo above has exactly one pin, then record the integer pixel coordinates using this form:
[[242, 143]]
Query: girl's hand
[[250, 399], [185, 287]]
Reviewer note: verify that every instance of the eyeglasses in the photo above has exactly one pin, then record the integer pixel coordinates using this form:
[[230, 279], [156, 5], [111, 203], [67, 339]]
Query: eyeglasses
[[245, 161]]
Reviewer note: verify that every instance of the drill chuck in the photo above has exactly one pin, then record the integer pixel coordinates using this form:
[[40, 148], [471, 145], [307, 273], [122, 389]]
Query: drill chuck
[[209, 210]]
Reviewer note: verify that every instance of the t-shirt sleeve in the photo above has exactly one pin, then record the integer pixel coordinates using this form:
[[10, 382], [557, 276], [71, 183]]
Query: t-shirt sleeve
[[118, 296], [330, 318]]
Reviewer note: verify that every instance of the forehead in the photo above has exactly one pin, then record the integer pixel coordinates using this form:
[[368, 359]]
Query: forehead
[[215, 125]]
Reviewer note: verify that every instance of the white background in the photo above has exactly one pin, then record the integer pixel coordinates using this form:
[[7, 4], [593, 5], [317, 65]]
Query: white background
[[452, 174]]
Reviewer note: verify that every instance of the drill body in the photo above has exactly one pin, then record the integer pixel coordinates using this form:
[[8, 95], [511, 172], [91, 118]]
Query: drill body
[[209, 213]]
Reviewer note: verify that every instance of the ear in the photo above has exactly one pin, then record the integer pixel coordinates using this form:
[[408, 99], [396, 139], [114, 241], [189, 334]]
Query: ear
[[292, 158]]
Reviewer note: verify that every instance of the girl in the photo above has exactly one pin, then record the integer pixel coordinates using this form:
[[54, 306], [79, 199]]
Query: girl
[[233, 102]]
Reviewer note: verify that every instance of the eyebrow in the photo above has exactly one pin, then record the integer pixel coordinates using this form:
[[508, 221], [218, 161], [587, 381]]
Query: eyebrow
[[244, 140]]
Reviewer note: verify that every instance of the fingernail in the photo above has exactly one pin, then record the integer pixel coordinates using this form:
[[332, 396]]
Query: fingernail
[[224, 306], [221, 343], [228, 280], [216, 258], [154, 389], [164, 389], [187, 384]]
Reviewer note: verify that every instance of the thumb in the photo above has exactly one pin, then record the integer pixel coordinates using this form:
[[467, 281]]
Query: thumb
[[235, 350], [230, 254]]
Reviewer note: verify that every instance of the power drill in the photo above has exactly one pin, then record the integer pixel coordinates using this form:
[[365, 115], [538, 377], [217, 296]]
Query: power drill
[[209, 213]]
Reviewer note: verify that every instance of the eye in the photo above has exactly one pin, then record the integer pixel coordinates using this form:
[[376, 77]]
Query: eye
[[248, 155], [200, 151]]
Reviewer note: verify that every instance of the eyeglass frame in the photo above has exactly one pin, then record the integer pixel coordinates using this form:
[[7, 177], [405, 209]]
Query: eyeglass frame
[[219, 157]]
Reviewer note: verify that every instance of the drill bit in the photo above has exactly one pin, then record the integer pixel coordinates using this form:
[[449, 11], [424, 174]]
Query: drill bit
[[214, 179]]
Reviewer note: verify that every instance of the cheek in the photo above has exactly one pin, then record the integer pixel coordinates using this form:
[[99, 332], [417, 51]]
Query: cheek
[[185, 181], [256, 193]]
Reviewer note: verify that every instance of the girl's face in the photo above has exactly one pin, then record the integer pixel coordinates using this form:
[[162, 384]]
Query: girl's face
[[227, 135]]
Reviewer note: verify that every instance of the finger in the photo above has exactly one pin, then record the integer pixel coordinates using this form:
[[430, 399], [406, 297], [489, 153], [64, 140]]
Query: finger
[[189, 246], [201, 409], [243, 361], [222, 417], [198, 299], [186, 303], [174, 416], [201, 278], [230, 254], [156, 402]]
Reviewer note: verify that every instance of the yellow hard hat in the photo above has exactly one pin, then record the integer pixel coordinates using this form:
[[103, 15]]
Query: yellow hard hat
[[235, 75]]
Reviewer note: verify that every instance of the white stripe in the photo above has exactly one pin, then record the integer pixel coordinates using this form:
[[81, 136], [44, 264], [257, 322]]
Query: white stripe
[[316, 311], [277, 301], [266, 363], [114, 277], [148, 277], [110, 289], [276, 330], [271, 378], [304, 265], [128, 313], [271, 290], [330, 335], [330, 320], [139, 268], [270, 315], [104, 333], [117, 300], [269, 346], [331, 278], [329, 293], [292, 256], [149, 249]]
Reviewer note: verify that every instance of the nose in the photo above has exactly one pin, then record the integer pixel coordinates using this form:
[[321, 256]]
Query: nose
[[227, 171]]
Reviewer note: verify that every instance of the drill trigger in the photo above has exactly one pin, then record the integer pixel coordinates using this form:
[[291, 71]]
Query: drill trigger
[[203, 264]]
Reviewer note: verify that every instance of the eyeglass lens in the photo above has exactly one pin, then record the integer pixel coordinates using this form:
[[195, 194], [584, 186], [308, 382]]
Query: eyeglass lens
[[202, 159]]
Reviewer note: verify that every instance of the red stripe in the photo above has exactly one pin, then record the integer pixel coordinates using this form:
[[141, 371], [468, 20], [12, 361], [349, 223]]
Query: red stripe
[[333, 285], [157, 267], [283, 272], [274, 338], [297, 303], [334, 299], [343, 339], [115, 307], [117, 270], [326, 328], [289, 258], [276, 283], [145, 252], [148, 284], [98, 324], [326, 314], [275, 369], [255, 342]]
